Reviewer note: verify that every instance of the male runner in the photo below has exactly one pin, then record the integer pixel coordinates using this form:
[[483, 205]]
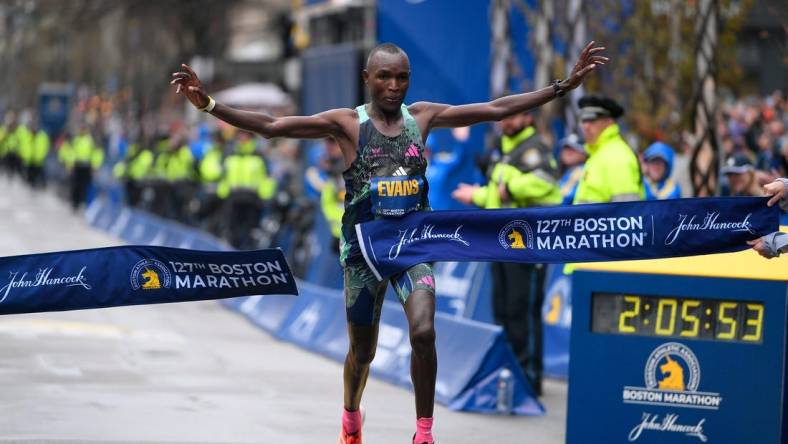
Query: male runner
[[382, 144]]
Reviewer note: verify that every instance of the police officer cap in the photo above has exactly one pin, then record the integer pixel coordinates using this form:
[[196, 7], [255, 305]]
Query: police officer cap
[[594, 107]]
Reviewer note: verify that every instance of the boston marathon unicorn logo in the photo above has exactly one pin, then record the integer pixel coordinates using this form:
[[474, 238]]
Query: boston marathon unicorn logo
[[516, 235], [150, 274], [152, 280], [673, 367], [516, 238], [673, 374]]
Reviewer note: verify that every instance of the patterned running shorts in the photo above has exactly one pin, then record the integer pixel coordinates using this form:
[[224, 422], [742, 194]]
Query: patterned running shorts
[[364, 294]]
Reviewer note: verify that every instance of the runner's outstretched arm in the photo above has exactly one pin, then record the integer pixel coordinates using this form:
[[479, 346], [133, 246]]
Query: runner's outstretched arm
[[328, 123], [443, 116]]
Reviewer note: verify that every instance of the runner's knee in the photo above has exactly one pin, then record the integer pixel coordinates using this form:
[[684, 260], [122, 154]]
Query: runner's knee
[[362, 354], [422, 335]]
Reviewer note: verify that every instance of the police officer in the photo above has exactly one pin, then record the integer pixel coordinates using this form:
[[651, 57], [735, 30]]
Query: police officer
[[175, 166], [572, 157], [245, 186], [612, 172], [210, 172], [524, 175], [82, 159], [20, 143], [37, 155], [132, 170], [658, 184]]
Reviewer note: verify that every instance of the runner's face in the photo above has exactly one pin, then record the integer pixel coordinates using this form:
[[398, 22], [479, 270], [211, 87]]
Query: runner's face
[[387, 77]]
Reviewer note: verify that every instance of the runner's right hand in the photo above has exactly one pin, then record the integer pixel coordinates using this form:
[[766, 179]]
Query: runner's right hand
[[190, 86]]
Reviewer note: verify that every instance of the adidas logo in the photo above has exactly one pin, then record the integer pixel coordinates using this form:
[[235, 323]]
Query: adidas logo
[[412, 151], [400, 172]]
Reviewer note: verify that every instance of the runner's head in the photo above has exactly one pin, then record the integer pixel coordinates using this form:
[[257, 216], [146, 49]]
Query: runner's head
[[387, 76]]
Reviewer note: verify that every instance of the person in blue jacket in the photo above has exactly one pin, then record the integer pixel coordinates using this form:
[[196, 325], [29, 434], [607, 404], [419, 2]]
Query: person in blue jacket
[[657, 182], [572, 157]]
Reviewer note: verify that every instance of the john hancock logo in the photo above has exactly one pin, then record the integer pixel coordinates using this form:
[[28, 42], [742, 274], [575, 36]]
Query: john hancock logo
[[711, 222], [150, 274], [516, 235]]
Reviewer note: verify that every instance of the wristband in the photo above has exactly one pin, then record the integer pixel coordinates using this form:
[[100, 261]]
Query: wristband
[[209, 107], [556, 84]]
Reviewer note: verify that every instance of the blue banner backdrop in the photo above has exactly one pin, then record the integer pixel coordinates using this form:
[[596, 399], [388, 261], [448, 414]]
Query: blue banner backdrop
[[132, 275], [578, 233]]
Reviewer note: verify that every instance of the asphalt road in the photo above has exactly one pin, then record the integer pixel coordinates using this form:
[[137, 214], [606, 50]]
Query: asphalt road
[[190, 372]]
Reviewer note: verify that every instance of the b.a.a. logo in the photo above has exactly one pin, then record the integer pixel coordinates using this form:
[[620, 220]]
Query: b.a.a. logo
[[672, 367], [152, 280], [516, 235], [672, 376], [150, 274]]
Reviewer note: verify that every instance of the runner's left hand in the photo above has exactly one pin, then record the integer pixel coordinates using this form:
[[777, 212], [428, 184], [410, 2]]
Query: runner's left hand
[[586, 63]]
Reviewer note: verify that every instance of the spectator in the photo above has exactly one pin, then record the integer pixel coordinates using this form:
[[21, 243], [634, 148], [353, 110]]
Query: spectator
[[657, 181], [740, 173], [572, 157]]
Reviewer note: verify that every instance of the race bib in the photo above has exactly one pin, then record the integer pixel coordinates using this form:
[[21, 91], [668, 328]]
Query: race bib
[[396, 196]]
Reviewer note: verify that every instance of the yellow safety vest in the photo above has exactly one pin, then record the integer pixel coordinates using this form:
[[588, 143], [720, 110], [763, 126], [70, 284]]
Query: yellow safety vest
[[611, 173]]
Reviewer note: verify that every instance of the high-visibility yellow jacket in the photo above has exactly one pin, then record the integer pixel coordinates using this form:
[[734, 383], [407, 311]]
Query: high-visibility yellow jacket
[[137, 164], [22, 143], [245, 171], [82, 151], [3, 140], [612, 171], [211, 165], [40, 149], [526, 170], [332, 202], [175, 165]]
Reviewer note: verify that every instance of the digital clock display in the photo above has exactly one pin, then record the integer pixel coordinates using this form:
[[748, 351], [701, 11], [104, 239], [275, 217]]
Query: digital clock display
[[675, 317]]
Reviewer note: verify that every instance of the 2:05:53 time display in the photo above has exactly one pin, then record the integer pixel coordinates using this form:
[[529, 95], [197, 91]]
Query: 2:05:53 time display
[[664, 316]]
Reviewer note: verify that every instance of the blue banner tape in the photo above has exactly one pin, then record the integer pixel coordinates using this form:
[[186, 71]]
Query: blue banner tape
[[133, 275], [578, 233]]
